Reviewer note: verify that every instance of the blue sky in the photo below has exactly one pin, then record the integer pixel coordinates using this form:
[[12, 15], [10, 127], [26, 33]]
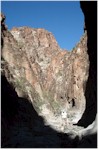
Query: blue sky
[[63, 18]]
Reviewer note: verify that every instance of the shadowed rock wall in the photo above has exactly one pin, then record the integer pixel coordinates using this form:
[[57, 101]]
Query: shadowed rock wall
[[21, 125], [90, 12]]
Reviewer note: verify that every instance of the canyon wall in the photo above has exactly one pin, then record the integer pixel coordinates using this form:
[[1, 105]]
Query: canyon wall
[[91, 86], [45, 74], [41, 79]]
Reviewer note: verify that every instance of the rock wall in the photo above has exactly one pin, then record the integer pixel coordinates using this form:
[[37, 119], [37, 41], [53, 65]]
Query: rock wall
[[90, 9], [88, 136], [45, 74], [35, 69]]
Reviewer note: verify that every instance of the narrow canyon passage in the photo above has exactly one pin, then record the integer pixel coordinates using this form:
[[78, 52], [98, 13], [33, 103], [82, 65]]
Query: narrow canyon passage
[[48, 94]]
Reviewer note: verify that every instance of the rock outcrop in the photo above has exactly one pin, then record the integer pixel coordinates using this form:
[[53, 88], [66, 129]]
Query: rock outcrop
[[38, 69], [53, 80]]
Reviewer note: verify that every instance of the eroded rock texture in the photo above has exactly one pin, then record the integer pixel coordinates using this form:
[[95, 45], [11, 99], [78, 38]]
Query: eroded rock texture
[[46, 78], [52, 79]]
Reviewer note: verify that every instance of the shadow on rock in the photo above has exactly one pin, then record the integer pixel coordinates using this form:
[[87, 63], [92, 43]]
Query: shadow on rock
[[23, 128], [90, 9], [89, 141]]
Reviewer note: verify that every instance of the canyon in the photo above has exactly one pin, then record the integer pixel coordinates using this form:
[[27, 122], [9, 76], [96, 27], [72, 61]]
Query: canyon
[[40, 82]]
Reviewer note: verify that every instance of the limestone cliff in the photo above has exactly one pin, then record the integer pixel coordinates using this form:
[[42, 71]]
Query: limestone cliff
[[52, 79]]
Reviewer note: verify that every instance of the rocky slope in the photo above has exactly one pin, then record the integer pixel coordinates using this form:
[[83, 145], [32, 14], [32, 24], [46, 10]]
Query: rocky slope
[[52, 79]]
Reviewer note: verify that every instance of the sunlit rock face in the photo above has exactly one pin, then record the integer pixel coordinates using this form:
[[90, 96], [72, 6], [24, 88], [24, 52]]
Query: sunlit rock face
[[52, 79]]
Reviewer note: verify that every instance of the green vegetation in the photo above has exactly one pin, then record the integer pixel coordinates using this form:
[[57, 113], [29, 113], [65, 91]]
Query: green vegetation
[[20, 84], [53, 104]]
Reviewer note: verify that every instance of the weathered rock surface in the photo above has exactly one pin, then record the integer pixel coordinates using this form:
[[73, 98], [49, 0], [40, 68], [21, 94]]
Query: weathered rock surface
[[52, 79], [33, 72]]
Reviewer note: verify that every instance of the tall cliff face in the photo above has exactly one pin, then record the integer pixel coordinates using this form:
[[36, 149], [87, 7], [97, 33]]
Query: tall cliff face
[[52, 79]]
